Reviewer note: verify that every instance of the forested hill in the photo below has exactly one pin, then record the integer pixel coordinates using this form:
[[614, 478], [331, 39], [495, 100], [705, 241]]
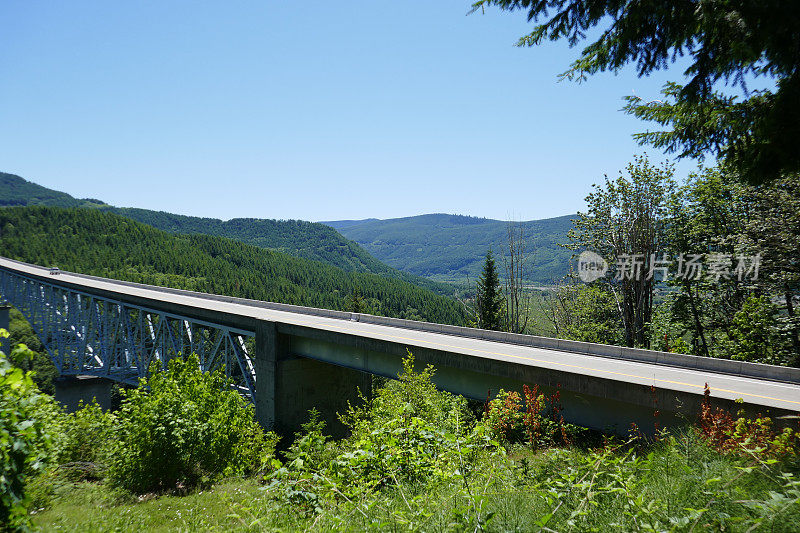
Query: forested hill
[[307, 240], [17, 191], [104, 244], [452, 247]]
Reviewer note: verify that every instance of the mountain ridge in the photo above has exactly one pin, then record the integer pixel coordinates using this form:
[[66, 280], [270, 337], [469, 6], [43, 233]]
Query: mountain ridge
[[450, 247], [298, 238], [99, 243]]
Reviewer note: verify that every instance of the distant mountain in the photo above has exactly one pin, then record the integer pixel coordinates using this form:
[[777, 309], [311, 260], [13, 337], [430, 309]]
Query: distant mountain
[[15, 191], [306, 240], [452, 247], [339, 224], [104, 244]]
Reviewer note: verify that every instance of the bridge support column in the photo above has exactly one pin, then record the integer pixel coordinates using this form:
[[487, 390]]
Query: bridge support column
[[269, 348], [305, 384], [72, 390], [287, 387]]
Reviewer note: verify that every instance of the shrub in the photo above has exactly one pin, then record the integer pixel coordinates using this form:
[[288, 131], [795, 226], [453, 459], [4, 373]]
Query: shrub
[[410, 434], [182, 427], [741, 435], [413, 394], [504, 416], [24, 443], [84, 441], [537, 420]]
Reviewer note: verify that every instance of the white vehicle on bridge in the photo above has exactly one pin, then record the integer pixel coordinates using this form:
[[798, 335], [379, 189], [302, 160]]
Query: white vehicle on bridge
[[54, 271]]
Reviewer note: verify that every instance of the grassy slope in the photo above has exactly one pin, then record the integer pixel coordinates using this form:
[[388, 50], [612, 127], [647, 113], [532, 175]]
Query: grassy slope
[[670, 481], [306, 240], [452, 247], [109, 245]]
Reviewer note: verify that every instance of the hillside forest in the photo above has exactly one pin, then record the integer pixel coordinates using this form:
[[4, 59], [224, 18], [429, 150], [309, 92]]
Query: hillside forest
[[452, 247], [306, 240], [93, 242]]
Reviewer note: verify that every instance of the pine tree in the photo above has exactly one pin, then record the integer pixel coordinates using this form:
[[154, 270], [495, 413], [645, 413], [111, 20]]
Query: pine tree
[[488, 297]]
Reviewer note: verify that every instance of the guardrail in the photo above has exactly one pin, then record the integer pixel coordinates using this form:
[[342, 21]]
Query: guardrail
[[689, 362]]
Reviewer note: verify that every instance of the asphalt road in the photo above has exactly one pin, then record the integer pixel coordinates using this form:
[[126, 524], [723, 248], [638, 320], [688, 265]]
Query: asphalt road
[[753, 391]]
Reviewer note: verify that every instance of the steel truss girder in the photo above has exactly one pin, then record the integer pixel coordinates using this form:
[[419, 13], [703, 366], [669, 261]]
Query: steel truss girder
[[91, 335]]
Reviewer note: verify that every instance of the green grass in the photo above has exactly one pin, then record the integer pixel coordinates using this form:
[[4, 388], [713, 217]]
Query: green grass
[[583, 490], [93, 507]]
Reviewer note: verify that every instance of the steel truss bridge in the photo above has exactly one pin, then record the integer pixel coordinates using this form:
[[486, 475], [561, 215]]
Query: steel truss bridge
[[85, 334]]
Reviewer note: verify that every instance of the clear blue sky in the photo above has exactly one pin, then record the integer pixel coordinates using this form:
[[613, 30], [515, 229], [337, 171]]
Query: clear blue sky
[[312, 110]]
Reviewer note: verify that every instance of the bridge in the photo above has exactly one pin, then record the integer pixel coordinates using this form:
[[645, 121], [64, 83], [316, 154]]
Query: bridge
[[287, 359]]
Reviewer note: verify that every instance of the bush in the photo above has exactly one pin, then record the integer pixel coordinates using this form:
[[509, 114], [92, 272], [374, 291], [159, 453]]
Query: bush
[[84, 441], [412, 394], [24, 443], [537, 420], [188, 429], [743, 436], [410, 434]]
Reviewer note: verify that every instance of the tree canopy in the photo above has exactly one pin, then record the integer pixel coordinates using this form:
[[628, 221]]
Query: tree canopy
[[730, 41]]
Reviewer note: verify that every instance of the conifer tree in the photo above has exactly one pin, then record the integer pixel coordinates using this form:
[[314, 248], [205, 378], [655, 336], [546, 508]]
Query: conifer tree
[[488, 297]]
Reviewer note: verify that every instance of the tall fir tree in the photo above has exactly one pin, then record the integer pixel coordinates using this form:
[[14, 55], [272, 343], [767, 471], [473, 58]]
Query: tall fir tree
[[489, 297]]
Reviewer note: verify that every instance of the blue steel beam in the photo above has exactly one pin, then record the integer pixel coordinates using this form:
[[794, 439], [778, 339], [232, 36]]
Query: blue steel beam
[[90, 335]]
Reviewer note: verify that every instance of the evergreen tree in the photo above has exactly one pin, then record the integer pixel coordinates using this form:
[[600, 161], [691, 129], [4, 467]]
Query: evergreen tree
[[488, 297]]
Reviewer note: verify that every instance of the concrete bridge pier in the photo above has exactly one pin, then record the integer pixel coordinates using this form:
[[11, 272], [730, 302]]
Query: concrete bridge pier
[[72, 390], [288, 386]]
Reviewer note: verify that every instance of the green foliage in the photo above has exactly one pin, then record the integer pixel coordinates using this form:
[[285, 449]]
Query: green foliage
[[413, 463], [306, 240], [504, 416], [532, 418], [678, 483], [182, 428], [409, 435], [415, 394], [92, 242], [588, 313], [715, 215], [87, 436], [453, 247], [667, 334], [753, 335], [726, 41], [42, 369], [24, 441], [774, 233], [744, 436], [15, 191], [625, 217], [489, 302], [675, 485]]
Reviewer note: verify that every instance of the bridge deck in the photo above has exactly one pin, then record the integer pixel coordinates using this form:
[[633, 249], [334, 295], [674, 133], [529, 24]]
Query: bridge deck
[[768, 393]]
